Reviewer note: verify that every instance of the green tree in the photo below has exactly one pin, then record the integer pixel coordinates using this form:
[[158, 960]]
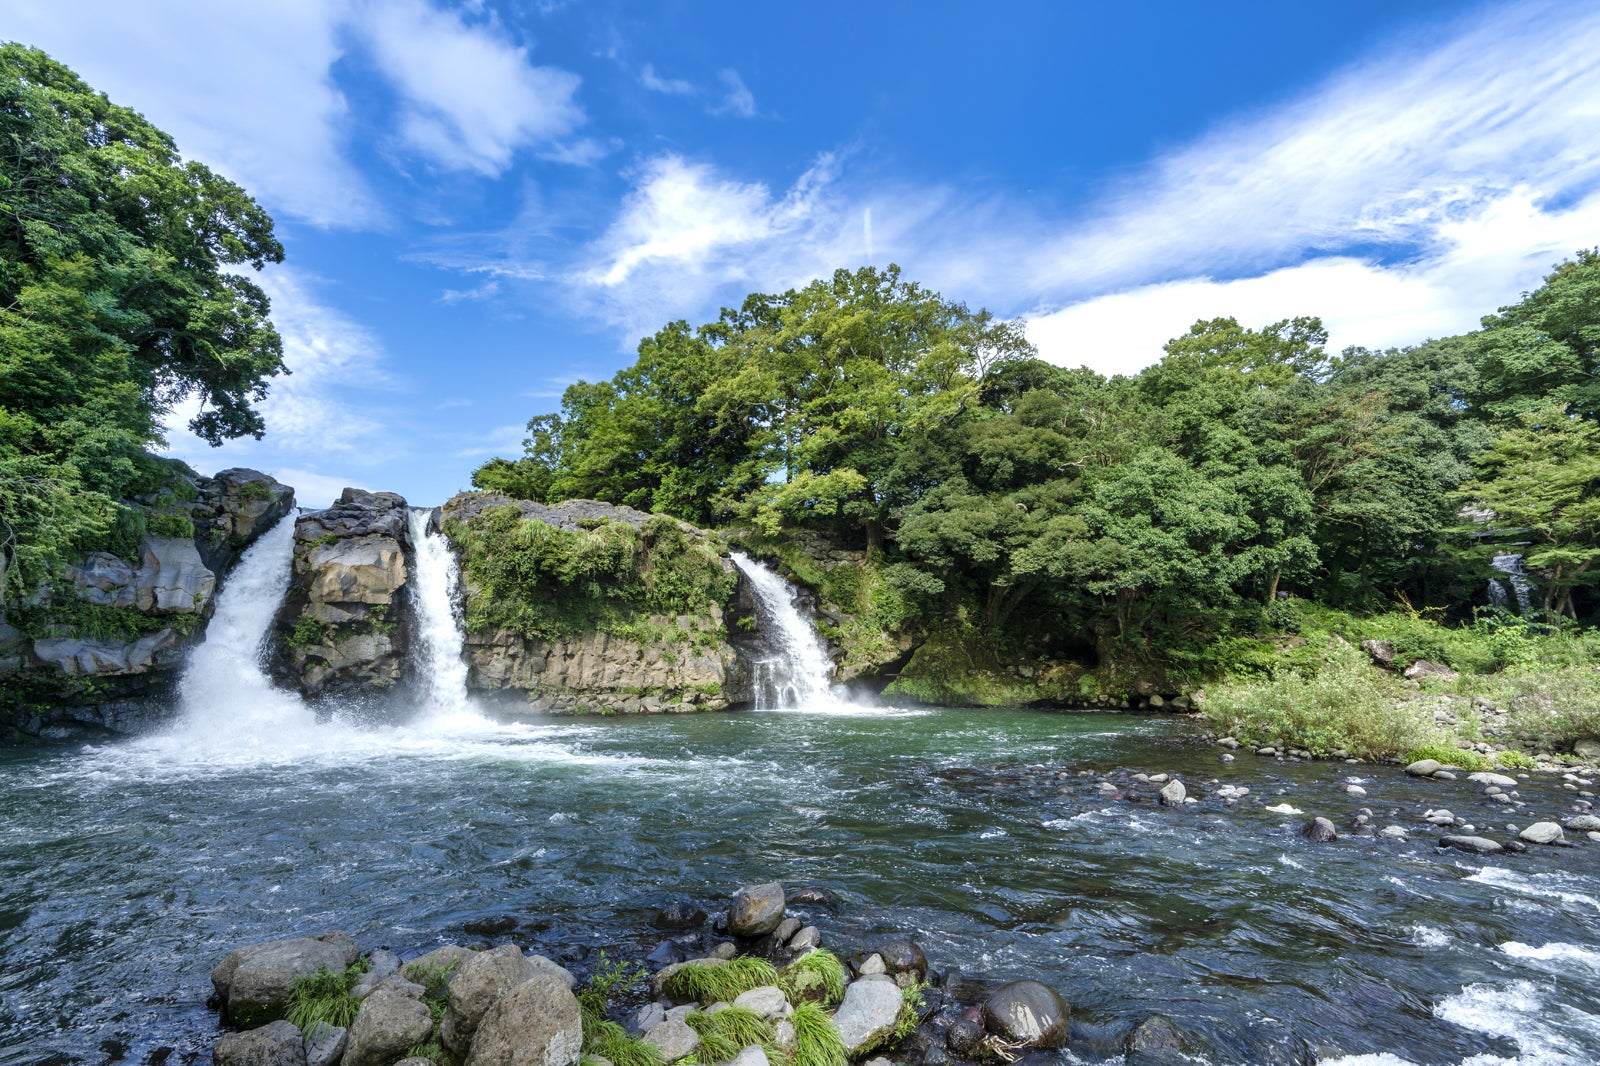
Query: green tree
[[117, 300]]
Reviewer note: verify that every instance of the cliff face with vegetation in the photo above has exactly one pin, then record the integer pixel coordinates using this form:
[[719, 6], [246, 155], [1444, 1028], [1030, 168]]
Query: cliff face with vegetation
[[100, 644], [587, 607]]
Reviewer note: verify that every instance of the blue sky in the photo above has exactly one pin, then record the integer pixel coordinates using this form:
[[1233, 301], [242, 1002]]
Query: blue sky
[[484, 202]]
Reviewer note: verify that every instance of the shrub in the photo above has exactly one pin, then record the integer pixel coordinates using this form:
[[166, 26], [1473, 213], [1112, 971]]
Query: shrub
[[1516, 760], [307, 632], [1449, 755], [178, 526]]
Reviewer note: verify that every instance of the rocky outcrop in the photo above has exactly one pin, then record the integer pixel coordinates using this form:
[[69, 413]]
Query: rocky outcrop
[[253, 983], [345, 625], [100, 647], [656, 663]]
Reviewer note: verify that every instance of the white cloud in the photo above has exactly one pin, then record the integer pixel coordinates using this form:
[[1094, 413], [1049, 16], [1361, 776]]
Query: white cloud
[[313, 414], [670, 86], [245, 88], [739, 99], [471, 98]]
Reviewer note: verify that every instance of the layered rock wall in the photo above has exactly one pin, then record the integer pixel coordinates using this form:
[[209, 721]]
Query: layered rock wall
[[101, 647], [345, 626]]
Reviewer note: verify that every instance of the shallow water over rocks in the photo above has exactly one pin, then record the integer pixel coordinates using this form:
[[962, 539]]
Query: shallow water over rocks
[[1013, 843]]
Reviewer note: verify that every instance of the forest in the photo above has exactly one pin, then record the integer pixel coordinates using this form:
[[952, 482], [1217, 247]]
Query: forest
[[1245, 475]]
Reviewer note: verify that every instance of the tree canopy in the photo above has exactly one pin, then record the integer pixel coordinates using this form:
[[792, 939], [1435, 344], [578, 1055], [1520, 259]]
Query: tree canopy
[[119, 297], [1146, 514]]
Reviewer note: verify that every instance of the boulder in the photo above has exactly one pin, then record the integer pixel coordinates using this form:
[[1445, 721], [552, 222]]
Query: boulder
[[235, 507], [537, 1023], [1320, 830], [1381, 652], [254, 982], [1541, 833], [673, 1038], [903, 955], [1483, 777], [1423, 768], [1588, 749], [786, 930], [1027, 1012], [276, 1044], [767, 1001], [1476, 845], [680, 914], [1422, 669], [809, 937], [551, 968], [385, 1027], [869, 1013], [325, 1045], [1582, 823], [1156, 1040], [757, 910], [474, 987], [1173, 794]]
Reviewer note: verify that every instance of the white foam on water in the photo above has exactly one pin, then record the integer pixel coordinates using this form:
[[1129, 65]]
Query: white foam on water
[[799, 673], [1554, 951], [1426, 936], [1539, 885], [441, 636], [1383, 1058], [1545, 1035]]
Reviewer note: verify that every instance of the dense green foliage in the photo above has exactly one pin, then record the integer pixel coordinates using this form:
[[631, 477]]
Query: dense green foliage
[[1150, 518], [118, 299], [546, 582]]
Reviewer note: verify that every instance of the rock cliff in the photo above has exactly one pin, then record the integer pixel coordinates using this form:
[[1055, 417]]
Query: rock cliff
[[345, 626], [606, 643], [100, 647]]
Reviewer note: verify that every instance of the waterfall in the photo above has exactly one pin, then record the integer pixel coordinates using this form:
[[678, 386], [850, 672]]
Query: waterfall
[[225, 695], [1516, 577], [799, 672], [442, 667]]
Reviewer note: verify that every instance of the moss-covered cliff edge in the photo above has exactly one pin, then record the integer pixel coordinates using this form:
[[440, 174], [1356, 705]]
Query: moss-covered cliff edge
[[98, 645]]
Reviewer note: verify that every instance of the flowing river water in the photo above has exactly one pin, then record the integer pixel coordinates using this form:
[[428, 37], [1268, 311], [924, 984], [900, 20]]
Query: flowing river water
[[129, 868]]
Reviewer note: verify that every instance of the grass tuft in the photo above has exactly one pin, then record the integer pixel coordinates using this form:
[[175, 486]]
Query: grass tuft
[[1449, 755], [817, 1042], [324, 998], [728, 1032], [817, 975], [712, 984]]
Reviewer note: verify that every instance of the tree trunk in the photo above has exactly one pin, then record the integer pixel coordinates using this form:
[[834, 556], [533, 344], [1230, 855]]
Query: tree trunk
[[1272, 589]]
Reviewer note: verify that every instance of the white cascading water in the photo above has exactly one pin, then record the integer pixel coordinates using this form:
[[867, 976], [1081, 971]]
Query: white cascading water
[[799, 674], [1516, 577], [440, 637]]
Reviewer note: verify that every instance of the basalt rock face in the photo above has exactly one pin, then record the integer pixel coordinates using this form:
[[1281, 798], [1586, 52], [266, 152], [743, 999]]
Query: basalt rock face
[[345, 625], [100, 648], [661, 663]]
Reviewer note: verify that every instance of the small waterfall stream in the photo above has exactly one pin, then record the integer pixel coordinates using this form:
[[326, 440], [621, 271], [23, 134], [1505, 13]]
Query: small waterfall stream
[[1516, 577], [441, 640], [799, 672]]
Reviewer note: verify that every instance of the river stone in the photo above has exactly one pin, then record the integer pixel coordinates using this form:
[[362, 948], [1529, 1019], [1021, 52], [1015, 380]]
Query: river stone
[[673, 1038], [869, 1013], [1381, 652], [1027, 1012], [473, 989], [750, 1056], [1423, 768], [254, 982], [965, 1037], [1156, 1039], [648, 1017], [537, 1023], [806, 939], [551, 968], [1476, 845], [872, 964], [385, 1026], [786, 930], [784, 1036], [767, 1001], [1582, 823], [1483, 777], [680, 914], [904, 955], [1541, 833], [756, 910], [325, 1045], [277, 1044], [1173, 793], [810, 895], [1319, 830]]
